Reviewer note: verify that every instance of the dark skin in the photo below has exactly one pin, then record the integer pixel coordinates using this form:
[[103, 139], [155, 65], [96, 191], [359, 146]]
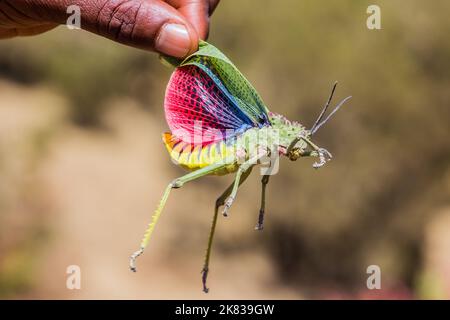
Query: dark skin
[[172, 27]]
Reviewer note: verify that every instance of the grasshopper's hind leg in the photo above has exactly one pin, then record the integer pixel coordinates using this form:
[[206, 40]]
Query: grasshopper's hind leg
[[264, 182], [177, 183], [219, 202]]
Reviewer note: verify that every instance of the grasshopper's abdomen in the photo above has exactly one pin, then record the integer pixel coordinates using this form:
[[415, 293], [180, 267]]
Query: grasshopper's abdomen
[[194, 157]]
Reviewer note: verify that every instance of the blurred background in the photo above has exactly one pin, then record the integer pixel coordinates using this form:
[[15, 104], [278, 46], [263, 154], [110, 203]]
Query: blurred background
[[82, 165]]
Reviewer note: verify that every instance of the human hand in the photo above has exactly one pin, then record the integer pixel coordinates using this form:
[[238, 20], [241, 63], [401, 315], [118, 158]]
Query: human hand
[[172, 27]]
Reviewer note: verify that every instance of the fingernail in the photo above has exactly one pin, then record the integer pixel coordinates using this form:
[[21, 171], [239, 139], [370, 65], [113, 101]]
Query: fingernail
[[173, 40]]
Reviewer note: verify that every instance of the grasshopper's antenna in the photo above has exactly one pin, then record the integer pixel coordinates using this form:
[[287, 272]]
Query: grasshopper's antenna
[[313, 128], [316, 127]]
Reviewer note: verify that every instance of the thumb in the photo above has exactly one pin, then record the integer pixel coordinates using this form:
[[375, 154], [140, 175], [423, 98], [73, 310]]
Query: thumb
[[146, 24]]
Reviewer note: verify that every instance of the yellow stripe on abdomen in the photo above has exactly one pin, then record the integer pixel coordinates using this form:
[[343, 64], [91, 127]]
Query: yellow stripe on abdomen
[[196, 157]]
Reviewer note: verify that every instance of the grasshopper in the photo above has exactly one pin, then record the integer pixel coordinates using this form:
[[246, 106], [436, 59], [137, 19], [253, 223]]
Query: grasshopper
[[220, 125]]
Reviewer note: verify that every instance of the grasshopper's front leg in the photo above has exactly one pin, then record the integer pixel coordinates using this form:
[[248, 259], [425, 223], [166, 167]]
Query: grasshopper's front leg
[[177, 183], [323, 154], [242, 169]]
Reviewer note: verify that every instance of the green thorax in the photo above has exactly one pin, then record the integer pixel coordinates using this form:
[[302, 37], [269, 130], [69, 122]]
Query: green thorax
[[279, 135]]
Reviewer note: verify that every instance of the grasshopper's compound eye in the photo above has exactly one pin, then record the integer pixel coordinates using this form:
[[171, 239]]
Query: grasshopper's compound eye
[[294, 154]]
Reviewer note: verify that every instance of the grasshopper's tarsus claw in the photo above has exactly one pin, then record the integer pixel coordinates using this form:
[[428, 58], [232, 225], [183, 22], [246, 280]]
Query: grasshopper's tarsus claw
[[227, 206], [324, 156], [133, 259], [225, 212], [204, 277], [259, 227], [260, 224]]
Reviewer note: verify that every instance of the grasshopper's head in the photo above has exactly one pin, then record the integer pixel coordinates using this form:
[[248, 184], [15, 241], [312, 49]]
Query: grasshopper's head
[[295, 139], [290, 145]]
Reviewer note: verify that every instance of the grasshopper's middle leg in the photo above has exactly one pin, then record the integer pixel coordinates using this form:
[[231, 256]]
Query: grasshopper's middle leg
[[242, 169], [264, 182], [219, 202], [177, 183]]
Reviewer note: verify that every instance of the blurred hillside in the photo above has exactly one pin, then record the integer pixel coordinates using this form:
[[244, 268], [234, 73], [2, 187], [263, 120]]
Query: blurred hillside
[[82, 165]]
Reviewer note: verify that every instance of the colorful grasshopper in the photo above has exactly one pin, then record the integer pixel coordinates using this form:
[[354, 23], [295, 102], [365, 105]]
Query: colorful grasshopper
[[220, 125]]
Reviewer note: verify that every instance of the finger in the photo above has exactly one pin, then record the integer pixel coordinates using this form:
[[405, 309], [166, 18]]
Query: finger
[[147, 24], [213, 5], [31, 31], [7, 33], [197, 12]]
